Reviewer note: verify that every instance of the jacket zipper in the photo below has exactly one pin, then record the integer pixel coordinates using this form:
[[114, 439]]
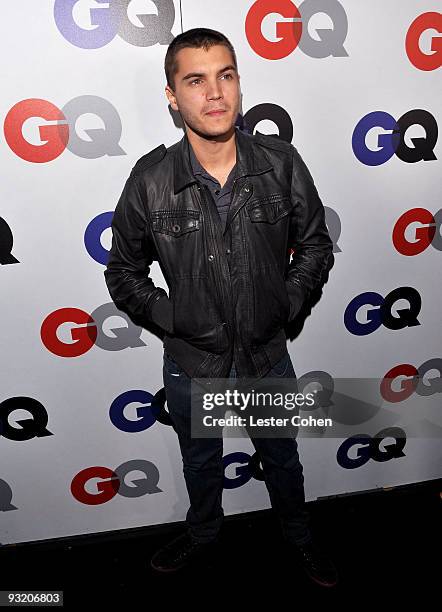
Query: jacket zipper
[[232, 198], [220, 274]]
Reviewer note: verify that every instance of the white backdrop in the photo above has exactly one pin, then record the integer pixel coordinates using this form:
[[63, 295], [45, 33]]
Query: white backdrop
[[64, 373]]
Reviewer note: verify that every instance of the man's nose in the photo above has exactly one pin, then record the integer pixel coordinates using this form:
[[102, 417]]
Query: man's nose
[[214, 91]]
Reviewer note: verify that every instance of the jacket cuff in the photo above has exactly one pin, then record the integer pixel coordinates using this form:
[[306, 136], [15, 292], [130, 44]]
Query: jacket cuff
[[162, 313], [297, 296]]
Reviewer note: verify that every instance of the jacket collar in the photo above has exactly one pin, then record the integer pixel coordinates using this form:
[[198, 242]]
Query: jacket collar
[[250, 159]]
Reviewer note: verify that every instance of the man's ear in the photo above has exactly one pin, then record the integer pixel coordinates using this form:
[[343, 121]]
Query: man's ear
[[171, 97]]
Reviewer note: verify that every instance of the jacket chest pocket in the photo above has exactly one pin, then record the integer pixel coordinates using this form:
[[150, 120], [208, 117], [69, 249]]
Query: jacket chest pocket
[[269, 209], [175, 223]]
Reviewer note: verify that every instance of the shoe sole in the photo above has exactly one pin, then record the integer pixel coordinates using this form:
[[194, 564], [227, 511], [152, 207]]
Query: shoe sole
[[164, 570], [319, 581], [193, 561]]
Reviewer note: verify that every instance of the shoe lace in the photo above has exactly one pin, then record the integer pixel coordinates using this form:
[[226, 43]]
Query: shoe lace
[[190, 546]]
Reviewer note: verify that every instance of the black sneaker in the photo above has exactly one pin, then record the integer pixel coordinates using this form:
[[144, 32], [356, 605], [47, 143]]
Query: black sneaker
[[316, 564], [180, 552]]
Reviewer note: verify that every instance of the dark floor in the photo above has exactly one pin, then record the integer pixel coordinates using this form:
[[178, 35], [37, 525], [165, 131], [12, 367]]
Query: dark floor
[[386, 544]]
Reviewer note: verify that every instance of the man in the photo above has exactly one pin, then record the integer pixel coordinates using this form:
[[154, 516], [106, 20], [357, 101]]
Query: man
[[220, 210]]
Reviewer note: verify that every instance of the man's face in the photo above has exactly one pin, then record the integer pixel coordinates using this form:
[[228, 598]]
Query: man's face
[[206, 81]]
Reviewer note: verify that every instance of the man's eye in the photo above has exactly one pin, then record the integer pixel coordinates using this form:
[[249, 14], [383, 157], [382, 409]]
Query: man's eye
[[228, 75]]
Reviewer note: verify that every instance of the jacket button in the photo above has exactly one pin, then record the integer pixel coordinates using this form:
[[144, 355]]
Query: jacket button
[[228, 251], [246, 189], [211, 257], [176, 228]]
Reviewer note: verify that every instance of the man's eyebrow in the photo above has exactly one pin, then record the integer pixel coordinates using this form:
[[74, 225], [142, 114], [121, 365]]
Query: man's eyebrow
[[191, 75]]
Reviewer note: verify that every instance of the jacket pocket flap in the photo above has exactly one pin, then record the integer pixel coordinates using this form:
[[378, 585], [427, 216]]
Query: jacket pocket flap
[[269, 209], [175, 223]]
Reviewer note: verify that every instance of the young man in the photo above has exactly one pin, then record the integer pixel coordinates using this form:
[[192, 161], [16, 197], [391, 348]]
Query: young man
[[219, 210]]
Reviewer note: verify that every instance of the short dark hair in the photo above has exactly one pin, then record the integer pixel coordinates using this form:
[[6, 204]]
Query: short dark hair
[[196, 38]]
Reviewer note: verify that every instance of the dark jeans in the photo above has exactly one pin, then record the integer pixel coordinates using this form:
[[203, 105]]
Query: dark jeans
[[203, 466]]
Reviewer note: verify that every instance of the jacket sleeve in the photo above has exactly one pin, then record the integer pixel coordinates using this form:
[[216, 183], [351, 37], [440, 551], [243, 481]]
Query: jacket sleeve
[[308, 237], [130, 257]]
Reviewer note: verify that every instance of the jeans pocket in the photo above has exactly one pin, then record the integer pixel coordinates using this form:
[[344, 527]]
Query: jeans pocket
[[171, 366], [280, 369]]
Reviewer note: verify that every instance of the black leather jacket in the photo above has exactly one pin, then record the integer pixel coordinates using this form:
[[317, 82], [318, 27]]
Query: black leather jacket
[[231, 294]]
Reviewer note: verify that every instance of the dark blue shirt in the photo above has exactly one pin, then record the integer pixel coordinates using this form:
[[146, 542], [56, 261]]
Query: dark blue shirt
[[221, 195]]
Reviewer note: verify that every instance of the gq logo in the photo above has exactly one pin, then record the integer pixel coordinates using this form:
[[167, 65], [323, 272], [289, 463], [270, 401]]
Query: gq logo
[[292, 29], [412, 380], [31, 427], [6, 244], [249, 467], [149, 410], [92, 239], [415, 230], [71, 332], [379, 311], [393, 143], [269, 112], [416, 55], [110, 482], [370, 448], [44, 142], [6, 497], [111, 17]]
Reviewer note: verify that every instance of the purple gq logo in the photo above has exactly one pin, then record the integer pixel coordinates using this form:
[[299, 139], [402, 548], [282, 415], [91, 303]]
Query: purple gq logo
[[92, 28], [392, 141]]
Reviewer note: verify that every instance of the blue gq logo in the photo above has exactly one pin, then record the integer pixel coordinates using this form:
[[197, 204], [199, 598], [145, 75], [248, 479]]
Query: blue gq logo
[[380, 312], [358, 450], [393, 143]]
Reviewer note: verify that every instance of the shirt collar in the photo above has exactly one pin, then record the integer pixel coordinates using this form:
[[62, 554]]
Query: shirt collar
[[197, 168], [250, 159]]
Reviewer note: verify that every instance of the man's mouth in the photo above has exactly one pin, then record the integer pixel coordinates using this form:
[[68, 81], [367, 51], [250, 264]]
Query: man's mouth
[[216, 112]]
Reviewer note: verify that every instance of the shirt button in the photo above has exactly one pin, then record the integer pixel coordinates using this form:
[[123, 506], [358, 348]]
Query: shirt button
[[228, 251], [211, 257]]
